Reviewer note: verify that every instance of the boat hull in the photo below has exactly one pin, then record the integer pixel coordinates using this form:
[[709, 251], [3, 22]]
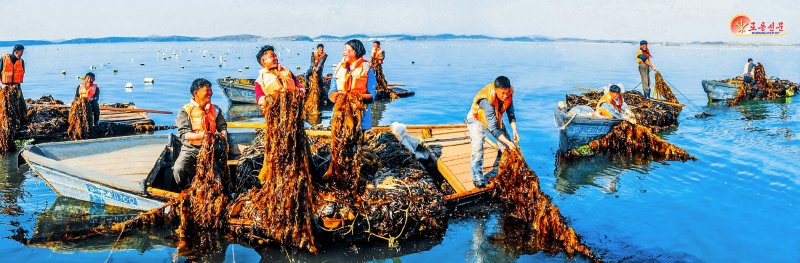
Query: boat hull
[[719, 90], [580, 131]]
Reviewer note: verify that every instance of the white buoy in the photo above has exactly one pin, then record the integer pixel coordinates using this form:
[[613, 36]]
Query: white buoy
[[240, 70], [63, 72], [128, 85], [150, 81], [246, 67]]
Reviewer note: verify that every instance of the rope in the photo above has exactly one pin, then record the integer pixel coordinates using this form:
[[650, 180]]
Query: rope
[[115, 243]]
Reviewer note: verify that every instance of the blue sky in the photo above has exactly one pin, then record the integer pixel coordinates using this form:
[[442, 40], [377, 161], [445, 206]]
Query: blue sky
[[678, 20]]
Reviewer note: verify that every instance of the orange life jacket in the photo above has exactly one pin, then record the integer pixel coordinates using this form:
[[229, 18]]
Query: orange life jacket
[[272, 82], [12, 73], [352, 80], [377, 56], [487, 92], [87, 93], [318, 56], [201, 119], [610, 99]]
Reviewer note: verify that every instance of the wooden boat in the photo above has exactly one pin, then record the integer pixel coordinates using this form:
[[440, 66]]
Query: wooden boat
[[726, 89], [718, 90], [135, 171], [576, 131]]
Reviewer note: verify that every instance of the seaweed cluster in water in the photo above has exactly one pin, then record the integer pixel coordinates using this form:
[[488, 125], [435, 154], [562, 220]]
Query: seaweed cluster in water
[[651, 113], [533, 223], [663, 89], [635, 142], [764, 88]]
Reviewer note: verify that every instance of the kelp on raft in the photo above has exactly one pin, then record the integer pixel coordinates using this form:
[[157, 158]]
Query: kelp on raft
[[281, 209], [637, 142], [347, 137], [650, 113], [543, 228], [662, 89], [80, 120], [12, 116], [764, 88]]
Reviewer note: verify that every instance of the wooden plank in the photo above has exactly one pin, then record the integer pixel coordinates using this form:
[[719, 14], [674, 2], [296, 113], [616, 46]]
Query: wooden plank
[[452, 180]]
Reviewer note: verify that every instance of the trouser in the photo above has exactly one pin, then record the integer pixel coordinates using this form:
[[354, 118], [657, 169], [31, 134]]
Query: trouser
[[749, 80], [185, 166], [644, 73], [477, 134], [94, 107]]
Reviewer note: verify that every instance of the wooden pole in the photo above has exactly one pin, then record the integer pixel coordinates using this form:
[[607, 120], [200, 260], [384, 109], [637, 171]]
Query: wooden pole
[[104, 108]]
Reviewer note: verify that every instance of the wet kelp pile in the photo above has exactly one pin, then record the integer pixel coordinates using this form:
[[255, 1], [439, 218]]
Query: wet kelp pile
[[49, 121], [346, 139], [313, 98], [650, 113], [628, 141], [533, 223], [12, 116], [764, 88], [80, 120], [663, 90], [281, 209]]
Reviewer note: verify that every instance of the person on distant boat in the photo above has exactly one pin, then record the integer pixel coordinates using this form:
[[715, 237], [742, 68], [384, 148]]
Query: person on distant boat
[[748, 74], [273, 77], [318, 59], [645, 64], [486, 116], [194, 120], [89, 90], [612, 105], [376, 61], [354, 75], [12, 73]]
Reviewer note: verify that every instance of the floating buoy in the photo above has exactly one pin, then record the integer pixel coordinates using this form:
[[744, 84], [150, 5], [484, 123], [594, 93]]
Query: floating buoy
[[181, 66], [63, 72], [220, 65], [412, 62], [116, 70], [92, 67], [128, 89], [141, 64], [150, 81], [298, 68], [240, 70], [128, 85], [246, 67], [79, 77]]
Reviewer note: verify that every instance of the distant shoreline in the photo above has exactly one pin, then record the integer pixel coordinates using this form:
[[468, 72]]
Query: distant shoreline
[[394, 37]]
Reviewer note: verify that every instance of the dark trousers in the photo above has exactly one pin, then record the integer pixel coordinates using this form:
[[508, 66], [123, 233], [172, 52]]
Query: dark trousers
[[185, 166], [94, 108]]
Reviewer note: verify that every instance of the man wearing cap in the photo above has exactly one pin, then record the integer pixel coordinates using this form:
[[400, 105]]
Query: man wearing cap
[[12, 68], [612, 105], [748, 75], [643, 58], [194, 120]]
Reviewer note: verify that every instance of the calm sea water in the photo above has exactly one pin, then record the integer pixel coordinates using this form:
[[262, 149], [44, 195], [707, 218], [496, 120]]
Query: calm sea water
[[738, 202]]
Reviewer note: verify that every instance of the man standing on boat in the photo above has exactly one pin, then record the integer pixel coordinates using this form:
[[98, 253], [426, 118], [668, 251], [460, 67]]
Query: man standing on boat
[[643, 58], [194, 120], [88, 90], [317, 63], [12, 68], [354, 75], [376, 61], [748, 74], [486, 116], [612, 105], [273, 77]]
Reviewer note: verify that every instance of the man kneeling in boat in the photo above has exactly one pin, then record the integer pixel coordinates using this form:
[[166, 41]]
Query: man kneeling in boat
[[194, 120], [612, 105], [486, 116]]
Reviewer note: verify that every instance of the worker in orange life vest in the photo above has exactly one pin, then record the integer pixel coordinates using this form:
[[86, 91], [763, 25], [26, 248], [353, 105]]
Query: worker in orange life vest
[[376, 61], [645, 64], [486, 116], [273, 77], [354, 75], [194, 120], [612, 105], [318, 59], [12, 73], [89, 90]]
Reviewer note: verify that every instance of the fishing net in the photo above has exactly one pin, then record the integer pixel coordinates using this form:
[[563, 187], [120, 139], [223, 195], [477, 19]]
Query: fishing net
[[631, 141], [12, 116], [654, 114], [347, 137], [281, 209], [662, 89], [533, 223], [80, 120]]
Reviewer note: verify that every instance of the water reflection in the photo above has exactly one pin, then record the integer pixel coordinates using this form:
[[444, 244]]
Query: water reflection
[[11, 190], [595, 171]]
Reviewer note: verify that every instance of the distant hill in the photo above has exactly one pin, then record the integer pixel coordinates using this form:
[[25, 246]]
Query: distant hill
[[400, 37]]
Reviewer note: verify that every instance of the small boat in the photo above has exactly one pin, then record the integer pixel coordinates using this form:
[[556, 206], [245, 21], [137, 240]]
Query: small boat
[[726, 89], [719, 90], [134, 172], [238, 90], [579, 130]]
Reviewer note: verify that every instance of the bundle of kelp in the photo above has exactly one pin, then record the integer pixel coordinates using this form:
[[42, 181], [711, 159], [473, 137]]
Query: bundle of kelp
[[628, 141], [80, 120], [12, 116], [313, 99], [347, 138], [47, 123], [281, 209], [662, 89], [650, 113], [250, 163], [533, 223], [764, 88]]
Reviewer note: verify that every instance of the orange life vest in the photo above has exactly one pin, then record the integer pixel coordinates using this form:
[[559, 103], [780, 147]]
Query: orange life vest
[[377, 56], [87, 93], [352, 80], [12, 73], [608, 98], [318, 56], [487, 92], [272, 82], [201, 119]]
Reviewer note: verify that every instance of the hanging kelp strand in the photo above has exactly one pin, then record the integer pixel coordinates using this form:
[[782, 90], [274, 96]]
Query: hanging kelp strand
[[281, 209], [347, 137], [663, 89], [80, 120], [11, 116], [543, 227], [312, 102], [633, 141]]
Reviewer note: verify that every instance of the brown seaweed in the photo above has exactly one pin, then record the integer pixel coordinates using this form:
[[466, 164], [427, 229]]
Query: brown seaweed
[[651, 113], [347, 137], [662, 89], [11, 116], [637, 142], [313, 98], [80, 120]]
